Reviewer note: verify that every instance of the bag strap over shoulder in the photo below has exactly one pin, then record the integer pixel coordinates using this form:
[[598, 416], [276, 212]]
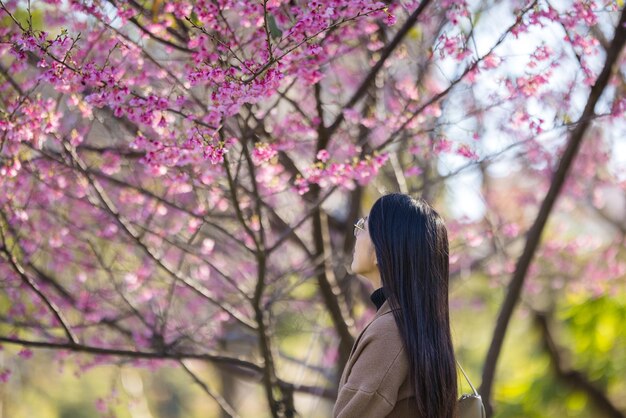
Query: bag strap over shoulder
[[467, 378], [471, 405]]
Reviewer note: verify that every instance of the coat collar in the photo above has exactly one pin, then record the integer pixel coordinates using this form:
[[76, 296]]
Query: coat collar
[[385, 308]]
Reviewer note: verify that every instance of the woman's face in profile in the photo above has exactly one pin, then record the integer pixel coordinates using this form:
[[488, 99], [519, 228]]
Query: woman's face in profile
[[364, 258]]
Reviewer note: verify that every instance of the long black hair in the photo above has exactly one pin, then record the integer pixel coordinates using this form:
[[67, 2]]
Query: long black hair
[[411, 244]]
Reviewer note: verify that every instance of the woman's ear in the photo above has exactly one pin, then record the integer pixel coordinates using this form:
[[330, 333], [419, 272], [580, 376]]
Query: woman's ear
[[373, 258]]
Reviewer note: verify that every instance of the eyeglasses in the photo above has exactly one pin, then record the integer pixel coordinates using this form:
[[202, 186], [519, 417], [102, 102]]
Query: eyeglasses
[[359, 225]]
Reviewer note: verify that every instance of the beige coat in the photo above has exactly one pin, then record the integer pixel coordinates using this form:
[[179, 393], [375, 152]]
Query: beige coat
[[375, 382]]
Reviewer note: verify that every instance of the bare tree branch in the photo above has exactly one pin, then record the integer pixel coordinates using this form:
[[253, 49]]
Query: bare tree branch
[[223, 404], [130, 230], [573, 378], [534, 234], [17, 267], [371, 76]]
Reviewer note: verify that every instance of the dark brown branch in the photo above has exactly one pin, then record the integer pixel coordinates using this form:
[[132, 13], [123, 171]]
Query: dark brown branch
[[10, 79], [152, 35], [534, 234], [439, 96], [266, 28], [331, 295], [159, 65], [385, 54], [188, 249], [148, 13], [322, 392], [307, 39], [573, 378], [47, 278], [236, 365], [17, 267], [127, 227], [283, 406], [216, 396], [232, 187], [104, 351], [120, 183]]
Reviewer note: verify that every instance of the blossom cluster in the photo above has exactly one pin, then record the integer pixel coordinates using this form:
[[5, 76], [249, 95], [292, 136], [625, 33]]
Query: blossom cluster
[[343, 174]]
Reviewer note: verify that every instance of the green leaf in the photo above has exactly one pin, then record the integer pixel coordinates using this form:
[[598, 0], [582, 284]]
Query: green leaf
[[194, 18], [275, 32]]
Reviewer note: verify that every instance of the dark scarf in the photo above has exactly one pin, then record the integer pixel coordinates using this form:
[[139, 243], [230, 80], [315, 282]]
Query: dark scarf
[[378, 297]]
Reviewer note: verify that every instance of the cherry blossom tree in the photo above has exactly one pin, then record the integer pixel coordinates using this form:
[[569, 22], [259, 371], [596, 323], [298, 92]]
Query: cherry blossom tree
[[176, 176]]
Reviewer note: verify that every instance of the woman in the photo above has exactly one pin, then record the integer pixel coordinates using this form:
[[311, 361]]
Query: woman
[[402, 364]]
